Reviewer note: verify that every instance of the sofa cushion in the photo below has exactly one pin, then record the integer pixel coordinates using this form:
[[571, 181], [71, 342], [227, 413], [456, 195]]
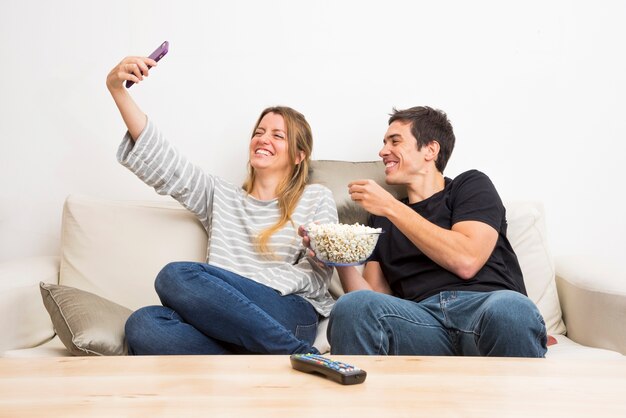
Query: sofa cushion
[[527, 234], [86, 323], [52, 348], [565, 348], [116, 248]]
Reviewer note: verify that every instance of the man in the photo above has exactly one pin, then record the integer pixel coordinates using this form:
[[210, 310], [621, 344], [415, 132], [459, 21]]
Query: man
[[443, 279]]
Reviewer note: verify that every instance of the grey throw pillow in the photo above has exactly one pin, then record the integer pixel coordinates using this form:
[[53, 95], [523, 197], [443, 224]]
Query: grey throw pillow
[[87, 324], [336, 175], [351, 213]]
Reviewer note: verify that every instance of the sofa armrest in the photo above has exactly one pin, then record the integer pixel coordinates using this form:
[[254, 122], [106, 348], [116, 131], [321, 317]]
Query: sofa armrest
[[592, 293], [25, 321]]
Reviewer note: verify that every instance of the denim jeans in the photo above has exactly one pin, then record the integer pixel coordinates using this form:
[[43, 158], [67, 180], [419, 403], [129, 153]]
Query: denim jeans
[[209, 310], [500, 323]]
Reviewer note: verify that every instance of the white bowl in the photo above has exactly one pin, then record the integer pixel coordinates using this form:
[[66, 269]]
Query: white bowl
[[341, 244]]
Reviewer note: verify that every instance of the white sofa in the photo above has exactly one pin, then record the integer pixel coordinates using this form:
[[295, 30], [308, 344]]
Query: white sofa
[[112, 250]]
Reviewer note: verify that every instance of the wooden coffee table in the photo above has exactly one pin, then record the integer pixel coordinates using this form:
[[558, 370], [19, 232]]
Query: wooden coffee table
[[266, 386]]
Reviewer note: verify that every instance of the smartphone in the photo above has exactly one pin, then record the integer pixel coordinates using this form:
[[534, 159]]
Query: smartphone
[[156, 55]]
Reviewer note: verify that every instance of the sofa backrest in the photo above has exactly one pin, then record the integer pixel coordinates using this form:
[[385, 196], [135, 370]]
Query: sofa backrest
[[527, 235], [116, 248]]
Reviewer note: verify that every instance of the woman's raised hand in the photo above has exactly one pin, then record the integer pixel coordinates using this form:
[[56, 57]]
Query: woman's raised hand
[[130, 68], [133, 69]]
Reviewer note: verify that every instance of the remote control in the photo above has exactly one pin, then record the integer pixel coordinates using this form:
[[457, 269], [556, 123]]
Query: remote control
[[343, 373]]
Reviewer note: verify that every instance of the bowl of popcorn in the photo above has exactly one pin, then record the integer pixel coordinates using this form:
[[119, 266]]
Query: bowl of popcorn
[[342, 244]]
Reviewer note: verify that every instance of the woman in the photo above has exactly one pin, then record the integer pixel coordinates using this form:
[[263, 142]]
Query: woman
[[258, 292]]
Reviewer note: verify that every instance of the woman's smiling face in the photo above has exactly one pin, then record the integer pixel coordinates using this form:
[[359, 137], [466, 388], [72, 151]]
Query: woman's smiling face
[[269, 149]]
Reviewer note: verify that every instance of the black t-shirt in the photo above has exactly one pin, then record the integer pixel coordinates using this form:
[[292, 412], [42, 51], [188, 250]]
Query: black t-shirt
[[471, 196]]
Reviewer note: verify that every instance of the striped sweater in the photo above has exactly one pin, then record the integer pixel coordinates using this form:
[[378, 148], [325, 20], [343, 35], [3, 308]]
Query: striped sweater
[[233, 219]]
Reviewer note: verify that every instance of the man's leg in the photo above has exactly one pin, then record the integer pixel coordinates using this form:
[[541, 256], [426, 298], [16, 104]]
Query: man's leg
[[503, 323], [236, 310], [367, 322]]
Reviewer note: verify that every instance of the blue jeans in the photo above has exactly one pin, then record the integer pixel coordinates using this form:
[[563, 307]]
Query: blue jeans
[[209, 310], [501, 323]]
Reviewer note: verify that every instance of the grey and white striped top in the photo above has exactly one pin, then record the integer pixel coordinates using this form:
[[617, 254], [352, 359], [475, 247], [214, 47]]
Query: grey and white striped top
[[233, 219]]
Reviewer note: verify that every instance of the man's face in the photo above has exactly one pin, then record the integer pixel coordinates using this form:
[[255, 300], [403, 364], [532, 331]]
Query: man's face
[[399, 153]]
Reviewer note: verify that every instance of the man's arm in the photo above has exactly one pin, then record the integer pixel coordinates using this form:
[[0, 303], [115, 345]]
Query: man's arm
[[372, 278], [463, 250]]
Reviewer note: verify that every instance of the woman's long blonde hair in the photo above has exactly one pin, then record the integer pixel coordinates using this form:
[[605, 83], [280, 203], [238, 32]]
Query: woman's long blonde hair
[[290, 189]]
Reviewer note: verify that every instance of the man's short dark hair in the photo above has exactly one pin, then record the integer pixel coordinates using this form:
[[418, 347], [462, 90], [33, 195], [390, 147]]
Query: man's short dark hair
[[428, 124]]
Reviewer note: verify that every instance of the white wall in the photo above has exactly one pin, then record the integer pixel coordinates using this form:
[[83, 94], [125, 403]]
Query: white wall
[[535, 91]]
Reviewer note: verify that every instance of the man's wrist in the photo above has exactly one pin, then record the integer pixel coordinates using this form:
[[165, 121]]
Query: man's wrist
[[394, 210]]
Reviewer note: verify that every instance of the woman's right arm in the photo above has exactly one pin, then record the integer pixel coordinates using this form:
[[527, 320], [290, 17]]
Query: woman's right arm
[[133, 69], [152, 158]]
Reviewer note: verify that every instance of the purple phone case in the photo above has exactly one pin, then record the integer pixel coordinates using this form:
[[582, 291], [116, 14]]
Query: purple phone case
[[156, 55]]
